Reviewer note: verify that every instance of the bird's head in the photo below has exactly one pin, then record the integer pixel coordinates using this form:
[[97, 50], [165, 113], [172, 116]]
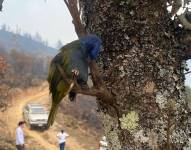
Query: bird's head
[[92, 44]]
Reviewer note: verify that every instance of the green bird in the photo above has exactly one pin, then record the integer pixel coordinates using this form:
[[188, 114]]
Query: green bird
[[73, 59]]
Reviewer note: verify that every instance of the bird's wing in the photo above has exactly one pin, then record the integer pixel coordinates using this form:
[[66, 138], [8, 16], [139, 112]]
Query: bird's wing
[[75, 57], [79, 61], [54, 76], [75, 45]]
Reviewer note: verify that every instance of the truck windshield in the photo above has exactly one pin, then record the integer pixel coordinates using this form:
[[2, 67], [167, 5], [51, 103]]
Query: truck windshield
[[37, 111]]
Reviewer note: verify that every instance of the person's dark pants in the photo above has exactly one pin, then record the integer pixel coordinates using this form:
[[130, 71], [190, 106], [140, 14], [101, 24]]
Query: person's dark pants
[[20, 147], [62, 145]]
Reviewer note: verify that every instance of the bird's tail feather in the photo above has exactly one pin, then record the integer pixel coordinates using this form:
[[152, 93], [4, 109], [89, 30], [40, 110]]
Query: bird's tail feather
[[52, 114]]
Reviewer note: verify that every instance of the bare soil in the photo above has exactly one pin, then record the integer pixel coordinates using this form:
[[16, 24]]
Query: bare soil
[[45, 140]]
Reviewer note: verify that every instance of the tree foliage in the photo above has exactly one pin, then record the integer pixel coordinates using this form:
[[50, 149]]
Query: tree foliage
[[19, 70]]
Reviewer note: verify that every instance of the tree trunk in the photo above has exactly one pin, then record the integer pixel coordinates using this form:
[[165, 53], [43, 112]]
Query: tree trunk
[[143, 69]]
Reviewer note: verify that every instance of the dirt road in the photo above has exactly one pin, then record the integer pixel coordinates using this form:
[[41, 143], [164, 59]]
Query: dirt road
[[47, 139]]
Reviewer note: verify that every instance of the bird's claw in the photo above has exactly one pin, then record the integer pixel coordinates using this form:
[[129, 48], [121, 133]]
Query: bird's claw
[[75, 72]]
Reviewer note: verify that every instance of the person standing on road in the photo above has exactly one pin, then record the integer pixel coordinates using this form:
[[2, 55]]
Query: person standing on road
[[62, 139], [20, 136], [103, 144]]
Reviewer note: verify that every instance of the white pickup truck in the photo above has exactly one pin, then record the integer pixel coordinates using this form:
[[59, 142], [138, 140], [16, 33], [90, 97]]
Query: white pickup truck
[[35, 115]]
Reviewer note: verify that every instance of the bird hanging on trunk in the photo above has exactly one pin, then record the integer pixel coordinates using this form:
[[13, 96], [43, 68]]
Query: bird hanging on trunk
[[73, 61]]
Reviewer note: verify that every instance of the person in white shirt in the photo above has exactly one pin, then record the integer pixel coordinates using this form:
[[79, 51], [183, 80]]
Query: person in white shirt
[[103, 145], [62, 139], [20, 136]]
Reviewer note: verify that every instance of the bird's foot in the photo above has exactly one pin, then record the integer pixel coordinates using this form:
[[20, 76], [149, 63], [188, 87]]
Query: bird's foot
[[75, 72]]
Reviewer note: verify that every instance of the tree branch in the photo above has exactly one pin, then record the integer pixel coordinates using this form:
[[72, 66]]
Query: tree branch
[[66, 2], [176, 5], [99, 84], [62, 73], [1, 4], [75, 13], [100, 93], [187, 72], [96, 78], [99, 90], [186, 24]]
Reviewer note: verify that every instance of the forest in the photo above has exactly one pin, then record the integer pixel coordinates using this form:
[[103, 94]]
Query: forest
[[20, 68]]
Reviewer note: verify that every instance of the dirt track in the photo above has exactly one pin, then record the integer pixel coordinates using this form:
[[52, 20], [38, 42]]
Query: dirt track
[[47, 139]]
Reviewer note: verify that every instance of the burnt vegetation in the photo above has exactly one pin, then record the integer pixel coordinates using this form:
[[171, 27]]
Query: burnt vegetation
[[141, 69], [20, 69]]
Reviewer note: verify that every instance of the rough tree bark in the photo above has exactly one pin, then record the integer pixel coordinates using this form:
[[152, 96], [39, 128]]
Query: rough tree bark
[[143, 68]]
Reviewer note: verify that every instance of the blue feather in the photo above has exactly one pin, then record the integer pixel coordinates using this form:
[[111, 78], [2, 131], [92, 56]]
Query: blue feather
[[92, 45]]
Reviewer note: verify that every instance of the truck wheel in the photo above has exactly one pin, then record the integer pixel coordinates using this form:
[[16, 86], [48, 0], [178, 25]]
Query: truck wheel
[[44, 127], [30, 126]]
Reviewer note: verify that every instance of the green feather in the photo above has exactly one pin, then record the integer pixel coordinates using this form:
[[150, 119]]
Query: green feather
[[70, 47], [58, 87]]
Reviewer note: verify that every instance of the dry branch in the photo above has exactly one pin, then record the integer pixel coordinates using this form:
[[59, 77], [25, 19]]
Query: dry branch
[[176, 5], [63, 74], [1, 2], [75, 13], [187, 72], [99, 90], [186, 24], [100, 93]]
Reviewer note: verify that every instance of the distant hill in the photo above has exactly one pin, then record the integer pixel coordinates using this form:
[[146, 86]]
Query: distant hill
[[24, 43]]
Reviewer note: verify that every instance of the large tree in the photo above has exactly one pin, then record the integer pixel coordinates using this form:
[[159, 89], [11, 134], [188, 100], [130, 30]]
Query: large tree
[[142, 64], [141, 98]]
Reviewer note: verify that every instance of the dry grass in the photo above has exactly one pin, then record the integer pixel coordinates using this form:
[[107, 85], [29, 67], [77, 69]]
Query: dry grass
[[79, 122], [6, 141], [85, 135]]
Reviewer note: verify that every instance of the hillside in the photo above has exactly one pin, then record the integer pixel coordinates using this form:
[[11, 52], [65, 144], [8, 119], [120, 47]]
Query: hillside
[[83, 136], [24, 43], [26, 61]]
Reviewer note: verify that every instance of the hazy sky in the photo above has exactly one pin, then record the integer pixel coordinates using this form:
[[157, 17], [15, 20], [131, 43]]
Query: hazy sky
[[50, 19], [188, 76]]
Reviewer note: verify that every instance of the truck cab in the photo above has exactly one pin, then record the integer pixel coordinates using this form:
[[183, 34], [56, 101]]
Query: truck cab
[[35, 115]]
